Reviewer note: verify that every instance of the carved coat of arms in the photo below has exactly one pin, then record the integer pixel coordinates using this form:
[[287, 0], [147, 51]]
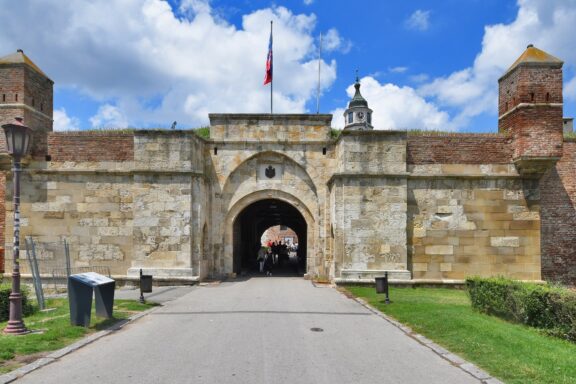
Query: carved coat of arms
[[270, 172]]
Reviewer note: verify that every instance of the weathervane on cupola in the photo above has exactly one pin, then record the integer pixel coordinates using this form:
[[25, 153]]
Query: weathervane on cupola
[[358, 116]]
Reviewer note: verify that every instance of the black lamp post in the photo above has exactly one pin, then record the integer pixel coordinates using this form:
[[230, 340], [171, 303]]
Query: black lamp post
[[18, 143]]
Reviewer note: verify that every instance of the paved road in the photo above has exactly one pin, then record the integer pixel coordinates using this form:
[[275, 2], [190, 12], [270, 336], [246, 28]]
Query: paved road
[[255, 331], [159, 295]]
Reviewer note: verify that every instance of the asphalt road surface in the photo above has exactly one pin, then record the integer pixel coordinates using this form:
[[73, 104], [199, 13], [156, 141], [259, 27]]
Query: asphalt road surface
[[258, 330]]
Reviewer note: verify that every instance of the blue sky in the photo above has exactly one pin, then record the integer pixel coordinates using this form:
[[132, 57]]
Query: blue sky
[[146, 63]]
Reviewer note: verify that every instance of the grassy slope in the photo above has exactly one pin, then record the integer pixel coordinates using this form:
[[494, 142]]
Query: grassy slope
[[511, 352], [57, 331]]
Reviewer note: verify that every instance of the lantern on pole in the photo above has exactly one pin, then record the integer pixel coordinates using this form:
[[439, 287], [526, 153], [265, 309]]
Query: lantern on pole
[[18, 143]]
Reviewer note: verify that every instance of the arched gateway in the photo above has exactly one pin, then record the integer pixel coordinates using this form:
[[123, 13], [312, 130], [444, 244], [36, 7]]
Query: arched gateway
[[249, 219]]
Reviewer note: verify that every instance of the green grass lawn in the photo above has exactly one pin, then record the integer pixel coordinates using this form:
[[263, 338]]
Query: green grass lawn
[[52, 331], [513, 353]]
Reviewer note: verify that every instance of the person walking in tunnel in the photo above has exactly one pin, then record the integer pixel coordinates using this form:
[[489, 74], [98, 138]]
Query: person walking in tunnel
[[268, 262], [274, 252], [261, 258]]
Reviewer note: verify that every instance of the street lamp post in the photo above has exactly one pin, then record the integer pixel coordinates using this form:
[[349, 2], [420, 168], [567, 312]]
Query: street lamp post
[[18, 142]]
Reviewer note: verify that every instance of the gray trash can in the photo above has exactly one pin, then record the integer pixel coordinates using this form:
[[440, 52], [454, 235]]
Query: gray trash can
[[145, 285], [381, 284], [81, 287]]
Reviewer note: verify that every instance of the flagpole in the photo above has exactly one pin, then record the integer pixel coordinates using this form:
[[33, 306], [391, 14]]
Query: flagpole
[[272, 80], [319, 65]]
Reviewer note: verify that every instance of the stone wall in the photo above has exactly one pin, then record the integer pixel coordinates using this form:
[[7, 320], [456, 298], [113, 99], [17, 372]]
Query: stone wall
[[91, 211], [368, 194], [558, 190], [165, 201], [369, 226], [461, 226], [121, 200]]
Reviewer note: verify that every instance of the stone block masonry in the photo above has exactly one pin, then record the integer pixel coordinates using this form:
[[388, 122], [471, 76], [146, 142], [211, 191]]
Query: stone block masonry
[[143, 200], [459, 227]]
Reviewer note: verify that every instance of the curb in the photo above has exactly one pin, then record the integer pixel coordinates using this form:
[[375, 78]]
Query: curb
[[455, 360], [26, 369]]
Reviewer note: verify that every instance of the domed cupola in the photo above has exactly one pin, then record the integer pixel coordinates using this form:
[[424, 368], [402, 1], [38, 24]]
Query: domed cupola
[[358, 116]]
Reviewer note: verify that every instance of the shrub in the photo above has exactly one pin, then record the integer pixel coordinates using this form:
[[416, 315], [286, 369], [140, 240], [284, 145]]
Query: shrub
[[203, 132], [542, 306], [27, 307]]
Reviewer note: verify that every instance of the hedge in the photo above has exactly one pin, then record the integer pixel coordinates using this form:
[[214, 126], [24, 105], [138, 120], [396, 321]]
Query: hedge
[[27, 307], [542, 306]]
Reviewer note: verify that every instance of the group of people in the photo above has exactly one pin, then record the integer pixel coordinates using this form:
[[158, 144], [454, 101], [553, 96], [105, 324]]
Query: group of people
[[273, 253]]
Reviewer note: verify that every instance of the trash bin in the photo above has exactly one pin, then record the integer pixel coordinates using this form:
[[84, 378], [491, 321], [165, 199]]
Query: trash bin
[[81, 288], [145, 283], [382, 286], [381, 283]]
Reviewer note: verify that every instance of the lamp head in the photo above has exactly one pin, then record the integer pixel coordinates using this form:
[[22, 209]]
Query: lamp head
[[18, 138]]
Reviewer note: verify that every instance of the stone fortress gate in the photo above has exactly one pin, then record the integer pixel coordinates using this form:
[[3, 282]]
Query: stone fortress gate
[[424, 207]]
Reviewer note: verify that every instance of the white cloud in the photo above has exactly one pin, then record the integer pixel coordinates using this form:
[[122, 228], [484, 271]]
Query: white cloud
[[308, 2], [419, 78], [331, 41], [195, 6], [398, 69], [63, 122], [419, 20], [397, 107], [109, 116], [158, 67], [548, 24]]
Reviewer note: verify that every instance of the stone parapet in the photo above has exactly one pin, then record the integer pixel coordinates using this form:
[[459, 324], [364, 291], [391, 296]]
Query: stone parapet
[[163, 150], [266, 127], [371, 152]]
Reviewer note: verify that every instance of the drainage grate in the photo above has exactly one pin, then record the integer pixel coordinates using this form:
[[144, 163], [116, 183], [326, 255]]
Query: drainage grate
[[315, 329]]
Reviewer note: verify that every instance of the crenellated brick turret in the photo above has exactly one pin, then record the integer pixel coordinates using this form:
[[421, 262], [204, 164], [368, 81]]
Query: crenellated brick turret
[[530, 110]]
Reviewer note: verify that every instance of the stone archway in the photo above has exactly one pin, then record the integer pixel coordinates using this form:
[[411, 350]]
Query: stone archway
[[291, 211], [251, 223]]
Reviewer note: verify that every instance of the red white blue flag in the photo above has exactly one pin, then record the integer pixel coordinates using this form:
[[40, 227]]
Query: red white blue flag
[[268, 77]]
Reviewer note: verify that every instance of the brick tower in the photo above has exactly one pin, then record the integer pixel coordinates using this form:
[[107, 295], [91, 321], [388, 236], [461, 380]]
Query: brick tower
[[530, 110], [27, 92]]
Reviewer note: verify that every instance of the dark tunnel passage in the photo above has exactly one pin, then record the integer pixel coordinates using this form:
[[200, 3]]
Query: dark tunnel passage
[[251, 224]]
